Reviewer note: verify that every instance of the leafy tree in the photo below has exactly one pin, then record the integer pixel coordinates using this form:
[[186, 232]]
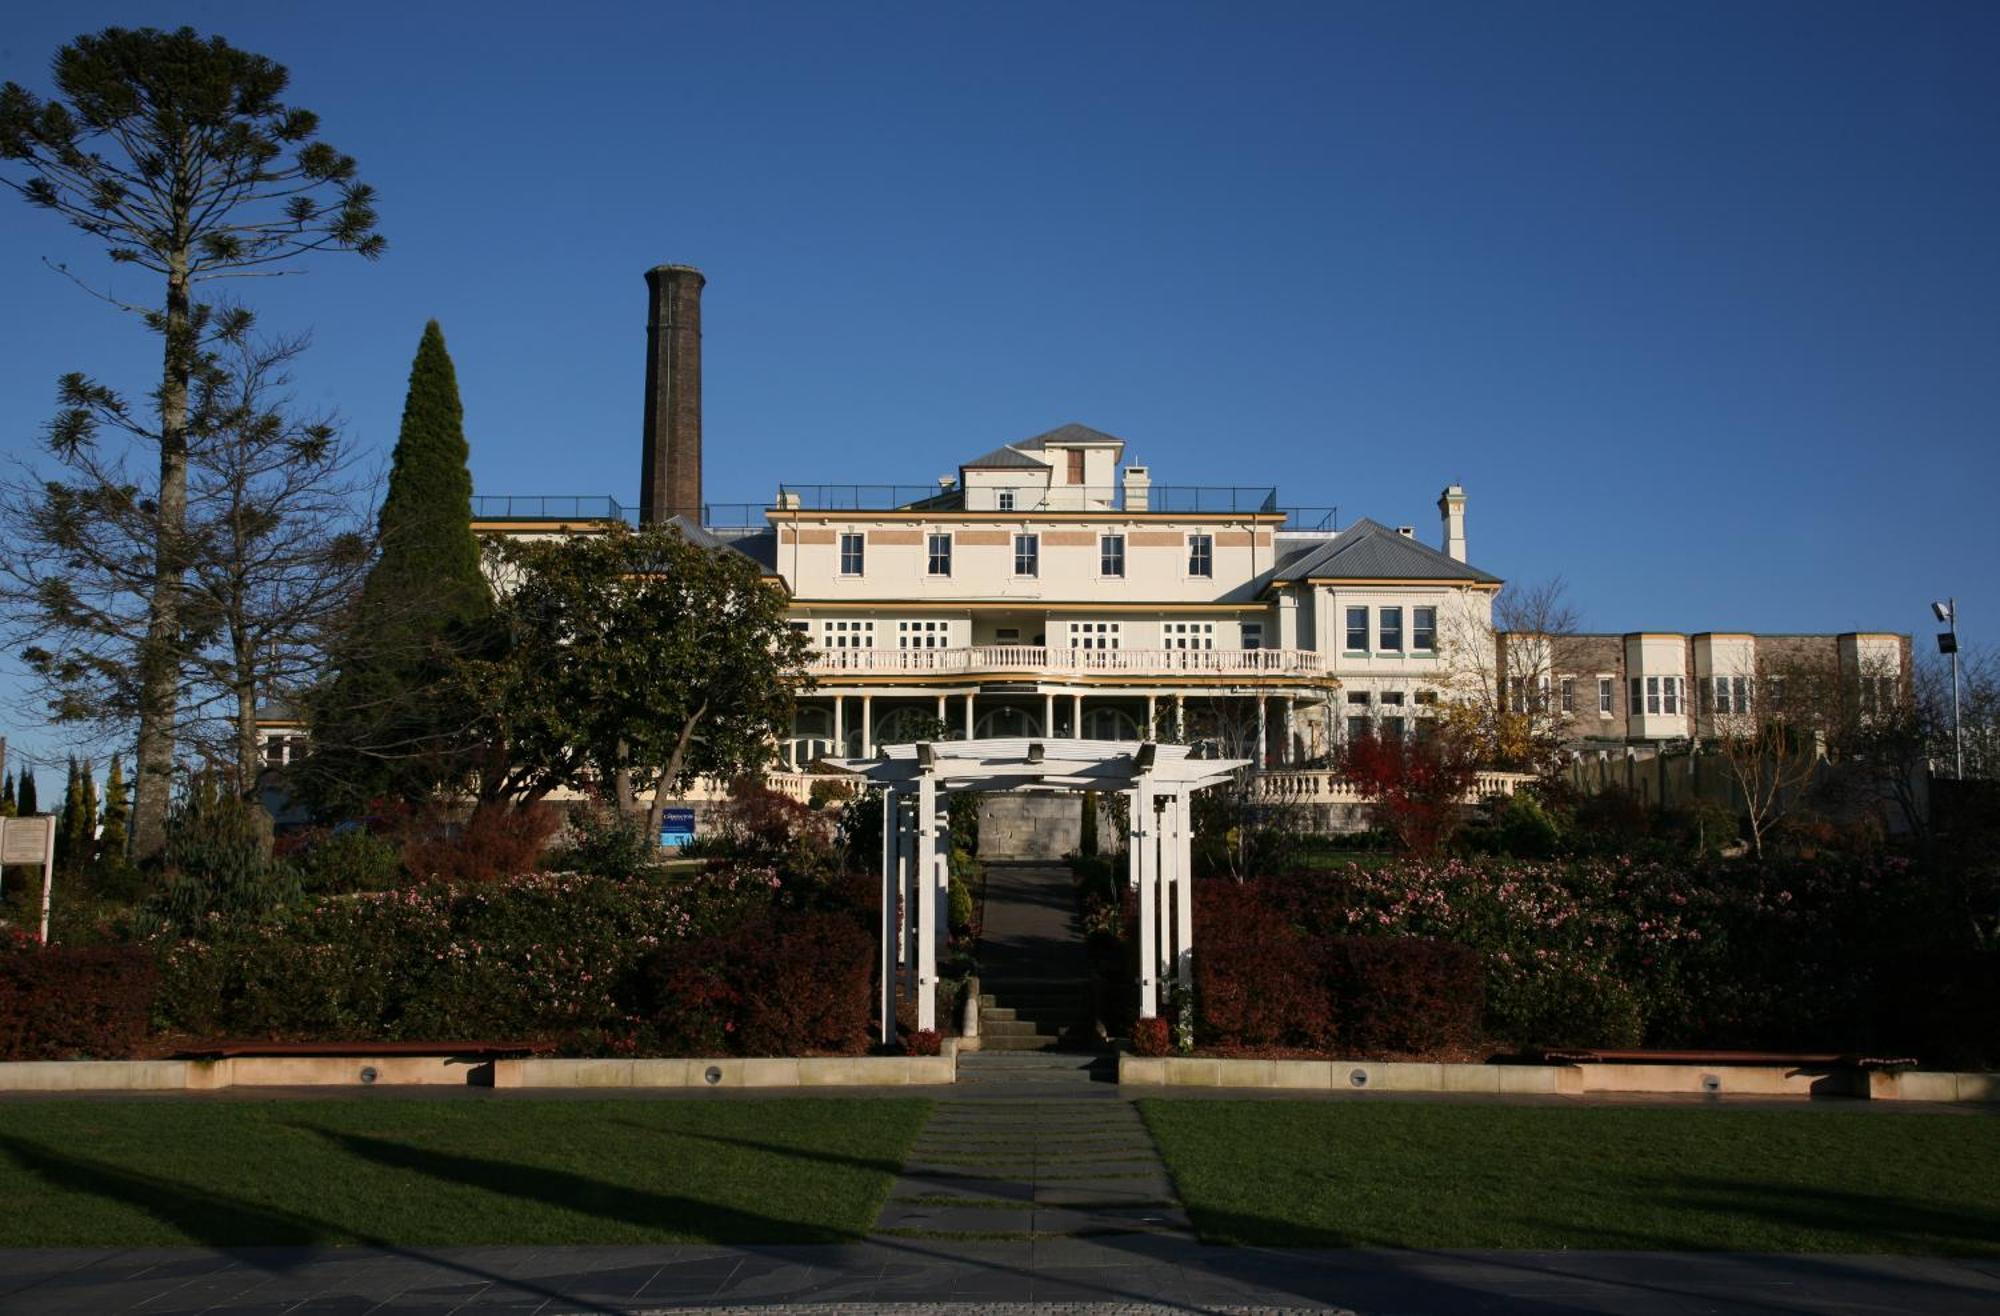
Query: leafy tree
[[1418, 784], [279, 548], [633, 656], [272, 550], [388, 723], [177, 154]]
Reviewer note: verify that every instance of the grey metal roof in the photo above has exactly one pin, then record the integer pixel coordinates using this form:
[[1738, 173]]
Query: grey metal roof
[[1369, 550], [1070, 433], [1008, 457], [759, 546]]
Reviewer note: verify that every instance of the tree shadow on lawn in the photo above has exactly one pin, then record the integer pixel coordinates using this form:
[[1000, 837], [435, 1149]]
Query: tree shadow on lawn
[[259, 1235], [689, 1218], [207, 1217], [1857, 1222]]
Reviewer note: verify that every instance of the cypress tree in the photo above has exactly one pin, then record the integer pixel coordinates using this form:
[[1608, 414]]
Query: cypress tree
[[385, 724], [28, 805], [117, 809], [7, 797], [66, 820], [86, 826]]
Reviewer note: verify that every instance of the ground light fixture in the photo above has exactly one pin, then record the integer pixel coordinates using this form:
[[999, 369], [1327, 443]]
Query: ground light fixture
[[1947, 612]]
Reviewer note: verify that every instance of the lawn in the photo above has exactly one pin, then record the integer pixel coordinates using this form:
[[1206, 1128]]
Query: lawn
[[1479, 1176], [437, 1172]]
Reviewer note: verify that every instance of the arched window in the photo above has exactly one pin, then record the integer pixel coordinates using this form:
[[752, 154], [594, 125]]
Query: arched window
[[1007, 720], [1109, 724]]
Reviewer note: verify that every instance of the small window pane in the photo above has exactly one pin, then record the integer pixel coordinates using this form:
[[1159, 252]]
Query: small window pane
[[1392, 630], [1568, 695], [1604, 694], [1201, 555], [1027, 555], [1357, 630], [940, 555], [1423, 630], [851, 554], [1111, 555], [1006, 500]]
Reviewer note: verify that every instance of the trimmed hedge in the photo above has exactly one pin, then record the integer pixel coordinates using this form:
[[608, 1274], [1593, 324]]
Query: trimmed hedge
[[728, 961], [74, 1003]]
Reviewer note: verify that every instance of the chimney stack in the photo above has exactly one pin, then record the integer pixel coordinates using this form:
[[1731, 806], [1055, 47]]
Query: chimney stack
[[670, 481], [1451, 508]]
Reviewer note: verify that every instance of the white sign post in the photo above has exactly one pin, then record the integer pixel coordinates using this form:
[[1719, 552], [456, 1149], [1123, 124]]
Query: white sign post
[[32, 841]]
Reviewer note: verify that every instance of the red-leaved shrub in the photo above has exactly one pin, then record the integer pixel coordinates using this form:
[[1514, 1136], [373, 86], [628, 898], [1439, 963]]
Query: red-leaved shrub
[[1257, 982], [922, 1042], [64, 1003], [495, 843], [787, 983], [1404, 994], [1152, 1037]]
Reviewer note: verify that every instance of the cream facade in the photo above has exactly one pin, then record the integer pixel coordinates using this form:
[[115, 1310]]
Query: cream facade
[[1049, 592]]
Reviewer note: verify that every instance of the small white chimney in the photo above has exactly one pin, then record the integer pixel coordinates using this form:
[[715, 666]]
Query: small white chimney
[[1407, 531], [1451, 510], [1138, 489]]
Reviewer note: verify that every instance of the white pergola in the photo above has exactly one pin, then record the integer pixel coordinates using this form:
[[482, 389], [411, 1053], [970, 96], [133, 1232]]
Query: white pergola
[[917, 780]]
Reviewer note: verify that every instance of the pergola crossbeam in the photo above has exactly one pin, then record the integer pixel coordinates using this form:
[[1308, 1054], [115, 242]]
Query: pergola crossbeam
[[917, 781]]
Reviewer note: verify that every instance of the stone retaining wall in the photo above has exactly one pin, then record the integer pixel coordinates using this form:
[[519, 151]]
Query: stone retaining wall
[[1565, 1080], [416, 1071]]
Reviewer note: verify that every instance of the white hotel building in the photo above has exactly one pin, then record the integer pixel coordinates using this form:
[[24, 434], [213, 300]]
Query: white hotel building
[[1051, 588]]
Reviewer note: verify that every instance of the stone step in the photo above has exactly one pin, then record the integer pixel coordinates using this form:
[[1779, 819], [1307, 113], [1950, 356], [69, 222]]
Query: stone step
[[1030, 1042], [978, 1061], [992, 1028]]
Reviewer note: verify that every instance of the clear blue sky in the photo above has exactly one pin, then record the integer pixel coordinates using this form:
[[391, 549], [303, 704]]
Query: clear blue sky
[[1701, 303]]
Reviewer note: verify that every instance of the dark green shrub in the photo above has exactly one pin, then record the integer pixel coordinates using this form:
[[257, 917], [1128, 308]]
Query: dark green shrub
[[960, 907], [1524, 829], [348, 861], [829, 790], [605, 843], [217, 863]]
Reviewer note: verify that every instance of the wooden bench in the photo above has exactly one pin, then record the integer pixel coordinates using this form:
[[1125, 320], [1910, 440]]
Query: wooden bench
[[349, 1050], [1799, 1060]]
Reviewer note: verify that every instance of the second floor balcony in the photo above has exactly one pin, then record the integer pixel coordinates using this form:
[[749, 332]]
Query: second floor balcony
[[1037, 660]]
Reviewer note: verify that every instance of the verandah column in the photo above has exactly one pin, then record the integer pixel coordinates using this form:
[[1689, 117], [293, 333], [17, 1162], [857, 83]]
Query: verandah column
[[839, 726], [867, 725], [1263, 735]]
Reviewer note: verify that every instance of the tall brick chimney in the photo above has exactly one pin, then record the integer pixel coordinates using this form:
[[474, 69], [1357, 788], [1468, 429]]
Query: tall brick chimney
[[670, 481]]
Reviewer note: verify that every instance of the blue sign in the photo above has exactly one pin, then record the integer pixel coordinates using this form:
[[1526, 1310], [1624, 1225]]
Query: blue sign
[[676, 827]]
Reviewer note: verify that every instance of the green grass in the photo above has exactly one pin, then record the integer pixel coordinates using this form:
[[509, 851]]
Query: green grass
[[438, 1172], [1463, 1176]]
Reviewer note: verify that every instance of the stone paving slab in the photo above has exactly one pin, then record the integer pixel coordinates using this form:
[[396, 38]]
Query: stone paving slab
[[1139, 1272]]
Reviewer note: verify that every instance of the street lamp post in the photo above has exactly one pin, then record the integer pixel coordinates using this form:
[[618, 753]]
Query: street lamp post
[[1947, 612]]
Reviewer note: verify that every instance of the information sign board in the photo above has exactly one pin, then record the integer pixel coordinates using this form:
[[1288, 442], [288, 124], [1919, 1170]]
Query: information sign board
[[676, 827], [27, 840]]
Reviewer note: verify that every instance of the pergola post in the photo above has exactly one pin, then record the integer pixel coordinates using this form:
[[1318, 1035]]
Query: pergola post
[[1049, 713], [1167, 951], [926, 884], [892, 893], [1184, 904], [906, 866], [1145, 858]]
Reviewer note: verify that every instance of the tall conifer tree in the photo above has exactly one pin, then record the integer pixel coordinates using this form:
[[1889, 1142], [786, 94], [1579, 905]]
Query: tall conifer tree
[[177, 153], [7, 797], [386, 723], [117, 810], [28, 805]]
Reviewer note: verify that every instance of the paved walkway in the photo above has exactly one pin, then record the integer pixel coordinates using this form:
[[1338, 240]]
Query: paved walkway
[[1040, 1168], [1133, 1272]]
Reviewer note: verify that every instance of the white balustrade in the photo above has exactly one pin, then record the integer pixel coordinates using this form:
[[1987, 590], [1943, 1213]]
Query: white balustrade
[[1039, 660]]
